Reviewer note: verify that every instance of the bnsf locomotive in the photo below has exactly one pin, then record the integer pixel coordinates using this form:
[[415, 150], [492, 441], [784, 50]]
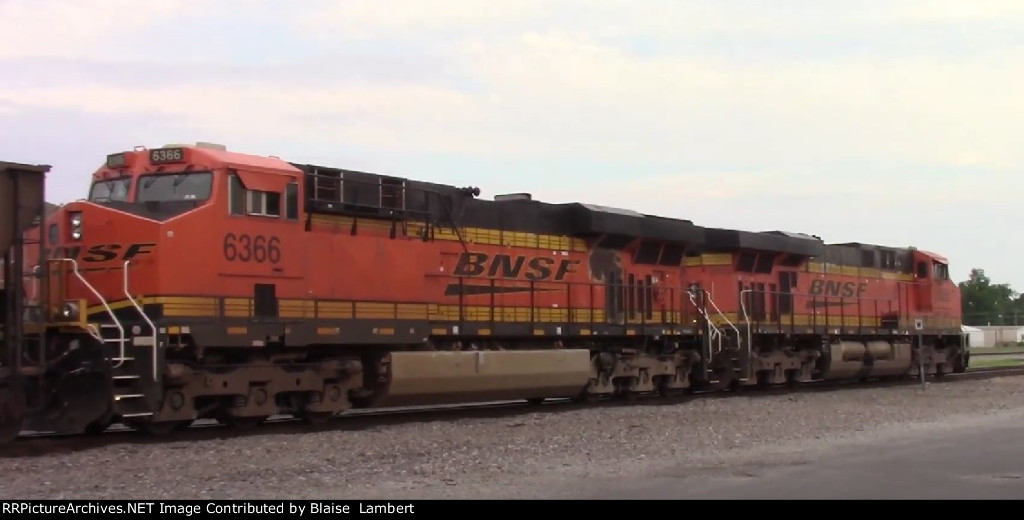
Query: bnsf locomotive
[[214, 284]]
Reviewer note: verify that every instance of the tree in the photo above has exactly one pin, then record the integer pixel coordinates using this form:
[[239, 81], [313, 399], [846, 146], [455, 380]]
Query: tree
[[985, 303]]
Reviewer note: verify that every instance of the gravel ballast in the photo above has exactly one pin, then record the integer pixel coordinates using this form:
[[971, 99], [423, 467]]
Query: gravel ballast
[[532, 454]]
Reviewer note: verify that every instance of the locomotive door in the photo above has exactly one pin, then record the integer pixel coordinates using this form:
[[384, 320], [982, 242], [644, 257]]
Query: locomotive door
[[787, 282], [922, 284], [614, 296]]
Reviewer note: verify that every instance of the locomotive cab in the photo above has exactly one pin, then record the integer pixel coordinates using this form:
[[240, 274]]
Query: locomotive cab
[[147, 215], [159, 183], [166, 182], [935, 292], [92, 243]]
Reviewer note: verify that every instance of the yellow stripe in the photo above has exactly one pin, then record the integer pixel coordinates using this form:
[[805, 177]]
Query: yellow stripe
[[709, 260], [861, 272], [725, 259], [205, 307], [183, 306], [421, 311]]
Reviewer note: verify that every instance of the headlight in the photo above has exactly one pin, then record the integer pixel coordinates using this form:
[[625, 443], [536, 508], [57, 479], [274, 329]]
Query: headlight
[[75, 221], [69, 311]]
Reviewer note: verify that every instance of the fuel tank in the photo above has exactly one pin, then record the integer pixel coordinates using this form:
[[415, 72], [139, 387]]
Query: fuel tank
[[427, 378], [854, 359]]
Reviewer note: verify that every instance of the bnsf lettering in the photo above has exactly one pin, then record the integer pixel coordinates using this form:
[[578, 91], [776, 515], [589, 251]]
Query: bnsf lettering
[[840, 289], [506, 266], [101, 252]]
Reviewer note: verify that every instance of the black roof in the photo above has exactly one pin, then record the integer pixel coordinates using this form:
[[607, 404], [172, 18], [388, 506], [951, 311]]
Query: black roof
[[578, 219], [769, 241], [520, 212]]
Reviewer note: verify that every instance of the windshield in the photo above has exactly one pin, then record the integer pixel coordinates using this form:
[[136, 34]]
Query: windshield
[[175, 187], [113, 189]]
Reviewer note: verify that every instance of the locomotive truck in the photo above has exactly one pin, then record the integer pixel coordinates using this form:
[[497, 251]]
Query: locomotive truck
[[221, 285]]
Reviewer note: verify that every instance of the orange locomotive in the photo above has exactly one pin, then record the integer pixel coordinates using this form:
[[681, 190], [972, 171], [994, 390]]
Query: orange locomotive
[[230, 286], [803, 310]]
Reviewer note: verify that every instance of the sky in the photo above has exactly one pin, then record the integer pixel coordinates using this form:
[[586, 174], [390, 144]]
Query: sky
[[899, 122]]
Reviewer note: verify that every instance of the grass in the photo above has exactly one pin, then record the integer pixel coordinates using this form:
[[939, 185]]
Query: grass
[[991, 363], [1014, 349]]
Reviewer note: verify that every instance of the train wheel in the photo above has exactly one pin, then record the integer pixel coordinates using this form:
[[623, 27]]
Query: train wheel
[[96, 428], [12, 413], [316, 418], [244, 423], [960, 363], [157, 428], [584, 397], [160, 428], [100, 425]]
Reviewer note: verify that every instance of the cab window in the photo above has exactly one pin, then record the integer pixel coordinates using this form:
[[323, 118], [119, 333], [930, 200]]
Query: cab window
[[168, 187], [941, 271], [110, 190], [242, 201]]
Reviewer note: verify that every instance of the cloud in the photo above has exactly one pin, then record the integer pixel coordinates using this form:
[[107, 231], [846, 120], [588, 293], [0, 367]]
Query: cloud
[[732, 112], [66, 28], [955, 11], [661, 18], [371, 19], [560, 94], [373, 116], [912, 109]]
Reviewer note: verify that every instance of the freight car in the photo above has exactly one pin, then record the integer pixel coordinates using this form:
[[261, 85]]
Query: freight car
[[231, 286], [35, 381]]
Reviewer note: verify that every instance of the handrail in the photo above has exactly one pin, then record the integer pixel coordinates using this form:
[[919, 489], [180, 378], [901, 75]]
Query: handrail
[[152, 327], [717, 330], [746, 319], [844, 300], [583, 294], [110, 312], [714, 334], [94, 331], [719, 311]]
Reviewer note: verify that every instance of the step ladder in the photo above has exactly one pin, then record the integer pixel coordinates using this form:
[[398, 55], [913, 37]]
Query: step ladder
[[129, 400], [718, 338]]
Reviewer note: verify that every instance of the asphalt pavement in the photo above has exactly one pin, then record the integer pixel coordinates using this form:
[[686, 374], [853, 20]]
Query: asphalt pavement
[[984, 461]]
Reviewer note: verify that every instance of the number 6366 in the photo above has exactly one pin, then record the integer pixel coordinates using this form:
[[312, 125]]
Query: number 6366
[[252, 248]]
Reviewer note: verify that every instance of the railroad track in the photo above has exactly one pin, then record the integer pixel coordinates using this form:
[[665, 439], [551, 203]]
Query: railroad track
[[42, 443]]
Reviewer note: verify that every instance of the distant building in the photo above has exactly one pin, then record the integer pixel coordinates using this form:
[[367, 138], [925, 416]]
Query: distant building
[[975, 336], [1001, 335]]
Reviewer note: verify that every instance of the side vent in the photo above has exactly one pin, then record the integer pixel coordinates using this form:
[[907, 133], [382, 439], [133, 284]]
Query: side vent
[[512, 196], [199, 144], [211, 146]]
